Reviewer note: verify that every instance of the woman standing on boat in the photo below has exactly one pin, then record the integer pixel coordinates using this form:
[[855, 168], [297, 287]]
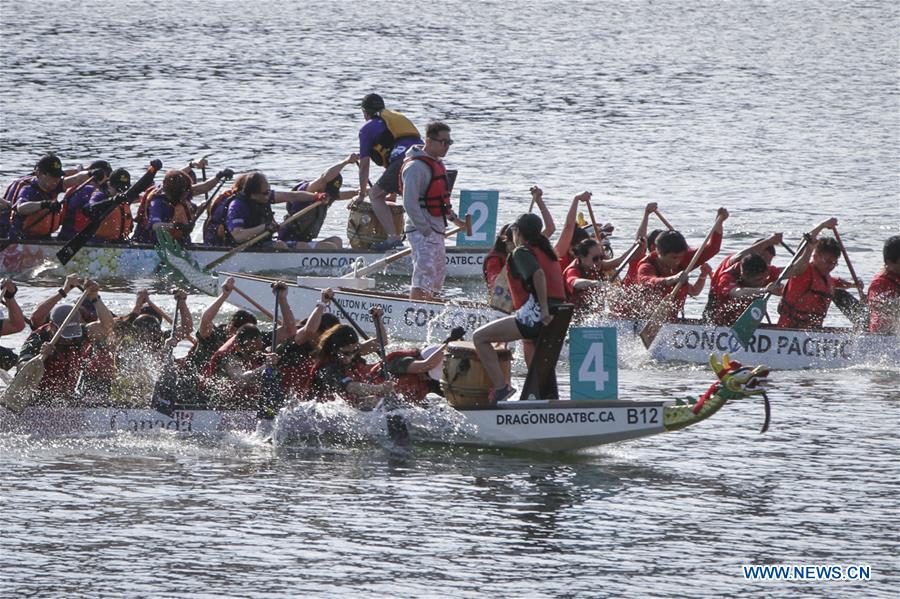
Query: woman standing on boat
[[536, 284]]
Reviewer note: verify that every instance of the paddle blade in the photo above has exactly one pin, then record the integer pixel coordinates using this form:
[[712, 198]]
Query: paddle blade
[[17, 395], [747, 323], [175, 261], [655, 322]]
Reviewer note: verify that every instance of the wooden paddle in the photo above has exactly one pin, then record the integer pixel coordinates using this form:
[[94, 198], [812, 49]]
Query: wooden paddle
[[593, 220], [261, 236], [75, 244], [654, 324], [17, 395], [255, 304], [663, 220], [380, 264], [859, 285], [203, 206], [747, 323], [631, 252]]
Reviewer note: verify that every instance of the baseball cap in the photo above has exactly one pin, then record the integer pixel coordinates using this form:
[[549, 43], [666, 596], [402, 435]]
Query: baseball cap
[[50, 165], [333, 187], [120, 179], [73, 329]]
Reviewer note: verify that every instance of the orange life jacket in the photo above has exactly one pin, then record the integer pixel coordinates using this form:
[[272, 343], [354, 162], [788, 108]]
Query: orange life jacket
[[180, 214], [117, 226], [215, 231], [437, 195], [78, 218], [556, 287], [43, 222]]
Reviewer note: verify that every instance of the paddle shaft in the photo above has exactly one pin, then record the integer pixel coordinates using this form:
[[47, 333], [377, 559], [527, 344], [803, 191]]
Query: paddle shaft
[[260, 237], [782, 274], [350, 319], [202, 207], [255, 304], [631, 252], [74, 245], [380, 264], [663, 220], [275, 320], [856, 281], [593, 220]]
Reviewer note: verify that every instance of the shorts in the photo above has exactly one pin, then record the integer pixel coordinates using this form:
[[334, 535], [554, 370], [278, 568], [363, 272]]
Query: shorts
[[528, 319], [389, 181], [429, 258]]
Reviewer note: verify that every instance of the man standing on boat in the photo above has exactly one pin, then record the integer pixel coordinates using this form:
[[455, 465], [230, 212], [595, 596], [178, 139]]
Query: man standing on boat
[[426, 199], [384, 140]]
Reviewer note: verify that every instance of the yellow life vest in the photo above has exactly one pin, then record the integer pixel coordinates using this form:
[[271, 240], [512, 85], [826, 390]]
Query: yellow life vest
[[398, 126]]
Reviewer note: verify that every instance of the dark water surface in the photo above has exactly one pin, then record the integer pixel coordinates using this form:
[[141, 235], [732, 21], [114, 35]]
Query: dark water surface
[[787, 113]]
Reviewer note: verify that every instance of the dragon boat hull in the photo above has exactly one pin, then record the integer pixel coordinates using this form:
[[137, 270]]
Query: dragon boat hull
[[142, 260], [537, 425], [780, 349], [404, 318]]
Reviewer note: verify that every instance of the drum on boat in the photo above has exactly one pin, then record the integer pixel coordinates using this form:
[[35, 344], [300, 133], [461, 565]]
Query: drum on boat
[[464, 382], [363, 228]]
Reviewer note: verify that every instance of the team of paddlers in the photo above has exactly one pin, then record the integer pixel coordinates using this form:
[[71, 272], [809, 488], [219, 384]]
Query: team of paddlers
[[526, 275]]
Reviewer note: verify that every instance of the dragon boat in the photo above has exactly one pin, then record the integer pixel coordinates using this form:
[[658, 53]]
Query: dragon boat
[[410, 320], [135, 260], [691, 341], [533, 424]]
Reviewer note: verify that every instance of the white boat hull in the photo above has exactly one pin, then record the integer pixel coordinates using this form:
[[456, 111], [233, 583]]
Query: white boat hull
[[138, 261], [779, 349], [541, 425], [405, 319]]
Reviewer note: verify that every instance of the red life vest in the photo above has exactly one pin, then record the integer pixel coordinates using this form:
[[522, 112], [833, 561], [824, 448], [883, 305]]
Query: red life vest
[[214, 372], [297, 370], [412, 387], [437, 195], [358, 371], [556, 287], [885, 287], [62, 367], [10, 195], [806, 306]]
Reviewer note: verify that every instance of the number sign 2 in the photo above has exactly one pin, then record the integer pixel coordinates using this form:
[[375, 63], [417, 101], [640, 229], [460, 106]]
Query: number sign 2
[[482, 205], [593, 369]]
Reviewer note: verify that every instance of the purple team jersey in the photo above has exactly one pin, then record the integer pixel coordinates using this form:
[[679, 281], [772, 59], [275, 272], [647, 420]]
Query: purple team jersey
[[369, 132]]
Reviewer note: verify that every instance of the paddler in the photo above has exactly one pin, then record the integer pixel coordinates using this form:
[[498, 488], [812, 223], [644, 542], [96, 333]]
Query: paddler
[[117, 226], [809, 291], [537, 285], [884, 292], [296, 357], [250, 210], [341, 372], [166, 207], [63, 363], [740, 278], [10, 323], [74, 216], [234, 373], [571, 233], [426, 199], [624, 294], [303, 232], [35, 210], [584, 277], [384, 139], [659, 271]]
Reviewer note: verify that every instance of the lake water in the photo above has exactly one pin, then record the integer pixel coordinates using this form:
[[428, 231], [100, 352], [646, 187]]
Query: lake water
[[786, 113]]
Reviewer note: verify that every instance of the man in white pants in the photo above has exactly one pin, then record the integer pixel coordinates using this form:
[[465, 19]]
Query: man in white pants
[[426, 199]]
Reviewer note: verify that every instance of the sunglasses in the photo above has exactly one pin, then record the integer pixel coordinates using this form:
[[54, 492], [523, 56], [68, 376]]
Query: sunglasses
[[447, 142]]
